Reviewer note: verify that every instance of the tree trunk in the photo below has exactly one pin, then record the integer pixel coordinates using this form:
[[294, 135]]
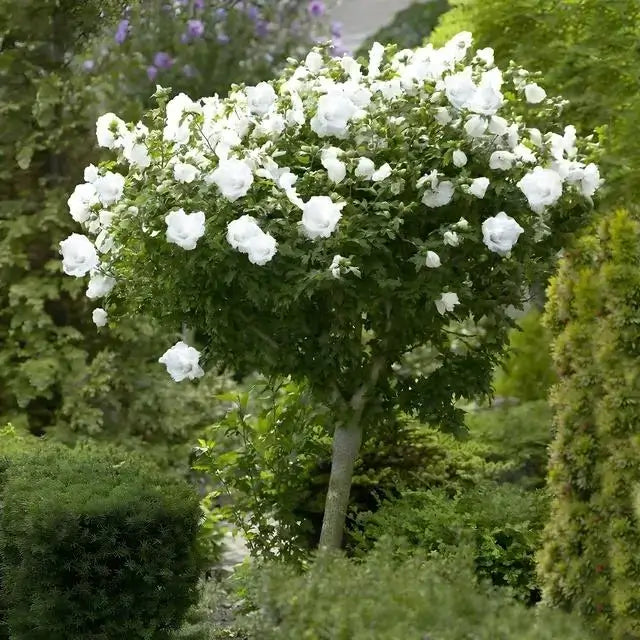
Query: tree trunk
[[346, 444]]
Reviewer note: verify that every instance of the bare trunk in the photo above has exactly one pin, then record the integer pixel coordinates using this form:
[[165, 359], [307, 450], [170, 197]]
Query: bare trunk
[[346, 444]]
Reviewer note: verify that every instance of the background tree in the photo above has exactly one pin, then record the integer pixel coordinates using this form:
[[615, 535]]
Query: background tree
[[590, 560], [596, 73]]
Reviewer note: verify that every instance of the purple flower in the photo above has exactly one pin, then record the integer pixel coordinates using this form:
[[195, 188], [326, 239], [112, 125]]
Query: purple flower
[[223, 38], [195, 28], [152, 72], [221, 13], [162, 60], [122, 31], [316, 8], [252, 12], [338, 49], [198, 4], [262, 28], [336, 29], [88, 65]]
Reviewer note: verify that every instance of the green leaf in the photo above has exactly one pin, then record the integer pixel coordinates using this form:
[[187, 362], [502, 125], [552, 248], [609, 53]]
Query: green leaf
[[24, 155]]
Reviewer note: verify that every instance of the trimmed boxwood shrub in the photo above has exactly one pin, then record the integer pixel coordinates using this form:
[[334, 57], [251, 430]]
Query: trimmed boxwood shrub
[[95, 546], [10, 445]]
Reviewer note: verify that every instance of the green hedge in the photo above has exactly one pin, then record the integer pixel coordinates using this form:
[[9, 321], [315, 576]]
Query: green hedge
[[378, 599], [499, 526], [10, 446], [95, 546], [591, 556]]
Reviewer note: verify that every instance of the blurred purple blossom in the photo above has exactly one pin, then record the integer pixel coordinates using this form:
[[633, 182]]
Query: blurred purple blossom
[[316, 8], [198, 4], [88, 65], [338, 49], [221, 13], [152, 72], [336, 29], [262, 28], [122, 31], [162, 60], [223, 38], [195, 28], [252, 12]]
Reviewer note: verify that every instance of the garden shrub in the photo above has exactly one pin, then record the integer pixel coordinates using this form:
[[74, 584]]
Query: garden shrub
[[96, 545], [571, 42], [409, 27], [11, 444], [591, 556], [386, 600], [500, 525], [527, 372], [516, 439]]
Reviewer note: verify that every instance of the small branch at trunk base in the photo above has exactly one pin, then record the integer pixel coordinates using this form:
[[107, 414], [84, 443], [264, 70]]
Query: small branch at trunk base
[[346, 444]]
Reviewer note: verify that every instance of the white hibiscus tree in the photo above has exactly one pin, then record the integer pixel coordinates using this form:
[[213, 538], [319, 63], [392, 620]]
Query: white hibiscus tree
[[326, 224]]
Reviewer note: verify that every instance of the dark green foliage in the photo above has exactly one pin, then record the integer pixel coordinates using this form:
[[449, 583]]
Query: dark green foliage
[[410, 26], [527, 373], [380, 599], [516, 439], [499, 525], [405, 455], [95, 546], [58, 374], [588, 51], [9, 445], [278, 469], [591, 558]]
